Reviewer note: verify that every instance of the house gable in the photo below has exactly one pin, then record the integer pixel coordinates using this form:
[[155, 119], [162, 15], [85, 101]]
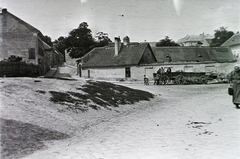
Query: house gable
[[148, 56], [27, 39], [129, 55], [234, 40]]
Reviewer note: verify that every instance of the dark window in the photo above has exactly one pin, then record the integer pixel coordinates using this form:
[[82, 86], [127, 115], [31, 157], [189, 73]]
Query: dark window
[[127, 72], [40, 50], [31, 52]]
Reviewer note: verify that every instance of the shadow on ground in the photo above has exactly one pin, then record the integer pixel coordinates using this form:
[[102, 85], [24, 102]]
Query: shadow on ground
[[20, 139]]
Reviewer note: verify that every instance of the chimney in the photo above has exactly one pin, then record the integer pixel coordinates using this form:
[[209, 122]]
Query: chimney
[[126, 40], [4, 10], [117, 45]]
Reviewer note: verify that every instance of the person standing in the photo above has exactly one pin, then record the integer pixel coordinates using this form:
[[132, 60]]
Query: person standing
[[234, 80]]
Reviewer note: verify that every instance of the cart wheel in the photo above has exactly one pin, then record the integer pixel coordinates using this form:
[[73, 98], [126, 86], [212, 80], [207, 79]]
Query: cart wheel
[[203, 79], [221, 77], [180, 79], [164, 79]]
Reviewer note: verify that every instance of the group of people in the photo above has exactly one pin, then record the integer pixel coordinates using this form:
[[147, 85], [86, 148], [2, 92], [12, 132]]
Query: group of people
[[158, 75], [234, 80]]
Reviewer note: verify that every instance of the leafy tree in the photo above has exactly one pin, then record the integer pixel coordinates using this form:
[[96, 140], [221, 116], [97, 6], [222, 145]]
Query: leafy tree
[[166, 42], [80, 41], [48, 40], [220, 36], [102, 39], [61, 44]]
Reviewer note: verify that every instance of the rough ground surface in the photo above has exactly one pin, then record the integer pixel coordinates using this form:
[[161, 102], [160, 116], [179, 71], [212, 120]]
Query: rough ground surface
[[182, 122]]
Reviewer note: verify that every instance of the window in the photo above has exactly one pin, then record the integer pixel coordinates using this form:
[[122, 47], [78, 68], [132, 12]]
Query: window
[[210, 69], [31, 53], [40, 50], [127, 72]]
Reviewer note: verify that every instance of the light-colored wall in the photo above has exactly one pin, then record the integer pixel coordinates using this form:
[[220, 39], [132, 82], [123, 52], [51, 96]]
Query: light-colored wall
[[235, 50], [117, 73], [104, 73], [215, 67], [16, 39], [138, 72], [190, 43]]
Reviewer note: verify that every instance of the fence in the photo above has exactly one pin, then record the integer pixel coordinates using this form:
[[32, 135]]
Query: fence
[[18, 69]]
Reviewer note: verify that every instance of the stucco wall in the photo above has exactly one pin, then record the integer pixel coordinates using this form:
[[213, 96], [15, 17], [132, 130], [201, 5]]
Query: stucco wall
[[235, 50], [138, 72], [105, 73], [118, 73], [210, 67], [16, 39]]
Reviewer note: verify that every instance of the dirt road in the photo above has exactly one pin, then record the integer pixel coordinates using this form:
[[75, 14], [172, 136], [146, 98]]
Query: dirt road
[[182, 122]]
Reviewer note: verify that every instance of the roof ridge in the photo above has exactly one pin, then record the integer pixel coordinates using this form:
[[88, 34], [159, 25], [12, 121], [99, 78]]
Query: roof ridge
[[29, 26]]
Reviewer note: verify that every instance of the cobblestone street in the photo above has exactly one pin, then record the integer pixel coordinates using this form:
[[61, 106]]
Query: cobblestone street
[[183, 122]]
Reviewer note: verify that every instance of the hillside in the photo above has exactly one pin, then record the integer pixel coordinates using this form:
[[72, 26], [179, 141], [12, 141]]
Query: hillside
[[37, 111]]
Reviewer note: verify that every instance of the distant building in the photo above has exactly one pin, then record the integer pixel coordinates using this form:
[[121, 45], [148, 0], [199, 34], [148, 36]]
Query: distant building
[[196, 40], [234, 44], [20, 39]]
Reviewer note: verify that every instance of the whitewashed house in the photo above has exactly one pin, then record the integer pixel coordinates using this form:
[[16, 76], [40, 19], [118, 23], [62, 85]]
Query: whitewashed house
[[194, 59], [134, 60], [234, 44], [119, 61]]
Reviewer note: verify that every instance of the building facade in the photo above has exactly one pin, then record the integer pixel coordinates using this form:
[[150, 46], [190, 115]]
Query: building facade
[[20, 39]]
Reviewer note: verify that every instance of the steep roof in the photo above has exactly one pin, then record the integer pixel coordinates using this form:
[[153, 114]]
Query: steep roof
[[30, 27], [129, 55], [206, 42], [193, 54], [233, 40]]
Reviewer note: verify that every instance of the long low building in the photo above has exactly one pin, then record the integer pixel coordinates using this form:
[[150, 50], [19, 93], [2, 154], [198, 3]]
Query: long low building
[[134, 60]]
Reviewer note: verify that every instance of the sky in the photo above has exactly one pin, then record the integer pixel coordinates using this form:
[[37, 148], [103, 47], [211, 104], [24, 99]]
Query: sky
[[141, 20]]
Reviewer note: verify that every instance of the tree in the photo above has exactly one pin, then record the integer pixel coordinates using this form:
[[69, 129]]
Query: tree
[[48, 40], [166, 42], [61, 44], [80, 41], [102, 39], [220, 36]]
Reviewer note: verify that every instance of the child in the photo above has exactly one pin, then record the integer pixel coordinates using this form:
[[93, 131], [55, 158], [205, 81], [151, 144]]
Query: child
[[146, 82]]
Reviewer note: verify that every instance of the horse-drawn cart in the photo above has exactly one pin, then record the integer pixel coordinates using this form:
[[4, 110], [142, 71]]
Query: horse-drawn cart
[[162, 77]]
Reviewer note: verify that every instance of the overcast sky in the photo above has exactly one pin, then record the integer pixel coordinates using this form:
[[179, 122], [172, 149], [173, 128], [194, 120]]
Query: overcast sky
[[141, 20]]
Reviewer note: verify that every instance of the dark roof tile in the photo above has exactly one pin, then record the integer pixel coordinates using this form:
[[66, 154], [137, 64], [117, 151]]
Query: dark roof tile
[[105, 56], [193, 54]]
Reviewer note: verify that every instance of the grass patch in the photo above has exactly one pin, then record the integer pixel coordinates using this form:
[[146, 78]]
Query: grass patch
[[20, 139], [102, 94]]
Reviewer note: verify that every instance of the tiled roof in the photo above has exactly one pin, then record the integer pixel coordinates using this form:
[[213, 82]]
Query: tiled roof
[[129, 55], [193, 54], [191, 38], [234, 40]]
